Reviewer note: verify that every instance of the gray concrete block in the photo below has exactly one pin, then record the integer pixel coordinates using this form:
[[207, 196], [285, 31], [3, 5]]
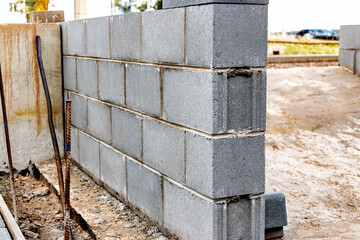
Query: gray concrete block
[[199, 35], [357, 62], [185, 3], [187, 215], [275, 210], [145, 190], [163, 36], [87, 77], [75, 31], [229, 166], [99, 121], [98, 37], [113, 169], [126, 36], [246, 100], [189, 100], [89, 154], [69, 65], [143, 88], [246, 218], [2, 223], [349, 37], [347, 58], [164, 149], [127, 132], [111, 82], [75, 145], [79, 109], [246, 46]]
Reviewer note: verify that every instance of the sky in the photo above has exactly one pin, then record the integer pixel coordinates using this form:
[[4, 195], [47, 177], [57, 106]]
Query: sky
[[288, 15]]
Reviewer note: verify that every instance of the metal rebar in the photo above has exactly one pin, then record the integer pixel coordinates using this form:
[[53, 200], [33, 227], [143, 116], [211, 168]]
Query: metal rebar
[[51, 124], [67, 218], [8, 147]]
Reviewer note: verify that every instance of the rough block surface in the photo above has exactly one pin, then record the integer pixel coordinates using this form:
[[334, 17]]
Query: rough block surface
[[185, 3], [187, 215], [229, 166], [127, 132], [69, 65], [143, 88], [349, 37], [75, 32], [126, 31], [79, 106], [98, 37], [246, 101], [346, 59], [145, 190], [275, 210], [164, 149], [163, 36], [87, 77], [99, 120], [357, 61], [89, 154], [189, 100], [113, 169], [111, 82], [75, 145]]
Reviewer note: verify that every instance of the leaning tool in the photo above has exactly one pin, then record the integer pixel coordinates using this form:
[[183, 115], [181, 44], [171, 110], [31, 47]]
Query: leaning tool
[[8, 147], [51, 124]]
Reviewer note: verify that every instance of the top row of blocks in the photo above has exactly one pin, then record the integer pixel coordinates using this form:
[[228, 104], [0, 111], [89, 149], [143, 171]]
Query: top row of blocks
[[186, 3], [214, 36]]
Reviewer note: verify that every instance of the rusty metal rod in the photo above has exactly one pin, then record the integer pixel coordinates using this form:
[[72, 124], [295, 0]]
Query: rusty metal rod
[[8, 147], [51, 124], [67, 218]]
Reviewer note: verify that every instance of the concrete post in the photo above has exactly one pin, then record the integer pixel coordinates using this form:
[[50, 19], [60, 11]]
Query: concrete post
[[229, 37]]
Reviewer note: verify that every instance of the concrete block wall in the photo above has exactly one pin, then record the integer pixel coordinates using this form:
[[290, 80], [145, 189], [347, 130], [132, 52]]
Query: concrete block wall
[[349, 55], [169, 112]]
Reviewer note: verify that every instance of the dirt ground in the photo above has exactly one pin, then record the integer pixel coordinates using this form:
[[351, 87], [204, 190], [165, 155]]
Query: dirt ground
[[313, 150], [40, 215]]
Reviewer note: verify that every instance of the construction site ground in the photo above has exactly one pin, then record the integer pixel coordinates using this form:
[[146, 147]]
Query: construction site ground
[[312, 156]]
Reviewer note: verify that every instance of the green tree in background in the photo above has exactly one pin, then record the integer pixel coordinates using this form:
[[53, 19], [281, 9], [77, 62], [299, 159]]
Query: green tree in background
[[126, 6], [25, 6]]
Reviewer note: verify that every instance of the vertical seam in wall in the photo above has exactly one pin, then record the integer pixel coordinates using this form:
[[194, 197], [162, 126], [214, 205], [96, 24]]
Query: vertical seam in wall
[[354, 68], [85, 50], [111, 138], [161, 94], [99, 162], [185, 36], [109, 38], [254, 103], [76, 75], [126, 176], [97, 80], [125, 84], [141, 38], [162, 201], [142, 139], [185, 157]]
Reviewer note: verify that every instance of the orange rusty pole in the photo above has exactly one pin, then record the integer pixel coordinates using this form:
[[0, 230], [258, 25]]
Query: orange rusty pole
[[67, 218], [8, 147]]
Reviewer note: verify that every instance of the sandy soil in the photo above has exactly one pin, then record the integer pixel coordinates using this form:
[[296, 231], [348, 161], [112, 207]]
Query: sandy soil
[[313, 150], [40, 215]]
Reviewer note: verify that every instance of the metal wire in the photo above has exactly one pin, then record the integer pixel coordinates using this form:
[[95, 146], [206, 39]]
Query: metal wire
[[67, 218], [8, 147], [51, 125]]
